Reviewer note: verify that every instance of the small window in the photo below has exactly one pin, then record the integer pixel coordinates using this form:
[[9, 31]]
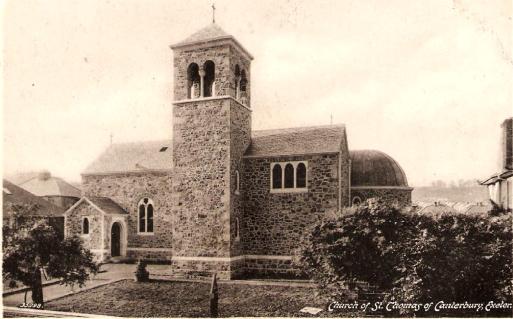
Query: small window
[[163, 149], [277, 176], [289, 176], [146, 210], [301, 175], [85, 226], [237, 228], [237, 182]]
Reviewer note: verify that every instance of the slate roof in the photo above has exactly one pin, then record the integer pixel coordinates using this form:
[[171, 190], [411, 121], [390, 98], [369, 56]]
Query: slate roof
[[212, 32], [375, 168], [208, 33], [107, 205], [297, 141], [133, 157], [44, 184], [15, 195]]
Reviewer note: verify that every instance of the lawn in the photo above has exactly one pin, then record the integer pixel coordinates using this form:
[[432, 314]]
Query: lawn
[[191, 299]]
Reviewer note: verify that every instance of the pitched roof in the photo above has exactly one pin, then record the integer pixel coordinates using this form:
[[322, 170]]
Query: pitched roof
[[497, 177], [22, 177], [210, 33], [44, 184], [107, 205], [15, 195], [133, 157], [103, 204], [375, 168], [297, 141]]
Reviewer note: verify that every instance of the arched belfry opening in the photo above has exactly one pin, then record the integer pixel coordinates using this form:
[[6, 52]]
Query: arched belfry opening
[[243, 95], [209, 79], [237, 82], [193, 81]]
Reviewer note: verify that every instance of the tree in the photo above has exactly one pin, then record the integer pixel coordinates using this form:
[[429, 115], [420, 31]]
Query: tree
[[36, 247]]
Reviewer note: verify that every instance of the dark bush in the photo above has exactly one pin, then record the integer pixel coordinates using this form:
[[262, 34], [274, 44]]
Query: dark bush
[[413, 258]]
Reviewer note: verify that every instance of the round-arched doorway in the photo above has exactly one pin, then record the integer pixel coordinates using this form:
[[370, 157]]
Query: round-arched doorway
[[115, 240]]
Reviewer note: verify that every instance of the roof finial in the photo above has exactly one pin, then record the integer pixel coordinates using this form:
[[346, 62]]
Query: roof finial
[[111, 138], [213, 13]]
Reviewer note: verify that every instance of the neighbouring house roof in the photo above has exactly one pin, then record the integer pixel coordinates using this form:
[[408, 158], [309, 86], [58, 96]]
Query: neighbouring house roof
[[102, 204], [435, 209], [15, 195], [44, 184], [297, 141], [375, 168], [22, 177], [497, 177], [133, 157], [212, 32]]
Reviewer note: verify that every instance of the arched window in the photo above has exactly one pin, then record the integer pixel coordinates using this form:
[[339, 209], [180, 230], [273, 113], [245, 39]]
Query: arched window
[[146, 215], [301, 175], [277, 176], [193, 81], [357, 201], [237, 182], [209, 79], [85, 226], [289, 176]]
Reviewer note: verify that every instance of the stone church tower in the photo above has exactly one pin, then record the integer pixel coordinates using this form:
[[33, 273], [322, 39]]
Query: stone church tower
[[211, 132]]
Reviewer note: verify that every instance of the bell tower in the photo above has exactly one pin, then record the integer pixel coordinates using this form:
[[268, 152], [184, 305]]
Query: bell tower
[[211, 131]]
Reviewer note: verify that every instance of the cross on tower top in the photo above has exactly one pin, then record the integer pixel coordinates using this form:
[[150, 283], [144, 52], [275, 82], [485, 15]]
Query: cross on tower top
[[213, 13]]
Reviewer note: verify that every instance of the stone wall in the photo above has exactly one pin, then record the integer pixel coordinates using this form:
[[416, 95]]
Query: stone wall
[[240, 122], [393, 196], [201, 153], [262, 267], [73, 226], [274, 223], [127, 190]]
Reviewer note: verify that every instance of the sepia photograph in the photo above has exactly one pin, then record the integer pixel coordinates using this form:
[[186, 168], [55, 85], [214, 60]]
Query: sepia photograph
[[274, 158]]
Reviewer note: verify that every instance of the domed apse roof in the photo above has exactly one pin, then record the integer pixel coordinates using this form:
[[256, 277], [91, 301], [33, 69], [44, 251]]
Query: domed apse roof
[[375, 168]]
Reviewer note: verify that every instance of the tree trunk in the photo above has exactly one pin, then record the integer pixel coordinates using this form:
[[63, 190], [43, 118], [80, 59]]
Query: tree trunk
[[37, 289]]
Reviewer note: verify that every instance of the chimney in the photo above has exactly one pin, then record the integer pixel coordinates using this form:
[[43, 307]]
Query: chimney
[[507, 144]]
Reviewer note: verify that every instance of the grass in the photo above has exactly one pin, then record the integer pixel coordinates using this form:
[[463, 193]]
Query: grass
[[190, 299]]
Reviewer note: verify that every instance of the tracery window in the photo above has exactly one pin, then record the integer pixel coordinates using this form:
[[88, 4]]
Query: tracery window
[[146, 215]]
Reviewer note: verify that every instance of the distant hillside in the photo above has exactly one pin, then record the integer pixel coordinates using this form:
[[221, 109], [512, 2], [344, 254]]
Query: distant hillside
[[451, 194]]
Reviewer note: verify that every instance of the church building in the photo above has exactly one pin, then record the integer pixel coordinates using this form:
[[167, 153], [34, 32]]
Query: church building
[[221, 197]]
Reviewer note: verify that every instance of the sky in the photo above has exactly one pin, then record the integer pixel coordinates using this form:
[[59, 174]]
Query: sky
[[427, 82]]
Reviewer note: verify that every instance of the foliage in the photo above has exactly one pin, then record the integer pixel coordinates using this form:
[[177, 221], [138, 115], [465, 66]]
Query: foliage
[[35, 246], [415, 258]]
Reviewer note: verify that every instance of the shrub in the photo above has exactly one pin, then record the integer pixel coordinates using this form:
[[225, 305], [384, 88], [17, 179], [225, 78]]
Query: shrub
[[414, 258]]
